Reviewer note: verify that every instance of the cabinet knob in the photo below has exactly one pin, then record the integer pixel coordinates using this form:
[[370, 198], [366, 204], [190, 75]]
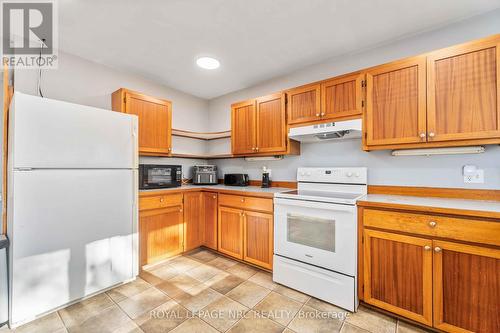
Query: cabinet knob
[[161, 199], [422, 135], [242, 199], [432, 224], [437, 249], [431, 134], [257, 148], [180, 210], [214, 197], [317, 114], [427, 248], [322, 114]]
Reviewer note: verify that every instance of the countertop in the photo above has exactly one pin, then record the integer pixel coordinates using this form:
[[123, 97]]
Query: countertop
[[241, 190], [479, 208]]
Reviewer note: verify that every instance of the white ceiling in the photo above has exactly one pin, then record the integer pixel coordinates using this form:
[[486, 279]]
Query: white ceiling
[[255, 40]]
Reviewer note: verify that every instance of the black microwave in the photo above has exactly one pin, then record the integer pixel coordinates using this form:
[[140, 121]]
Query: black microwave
[[153, 176]]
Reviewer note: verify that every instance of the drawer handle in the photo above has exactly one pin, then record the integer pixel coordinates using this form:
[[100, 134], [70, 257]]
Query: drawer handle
[[437, 249], [432, 224], [242, 199], [427, 248], [161, 199]]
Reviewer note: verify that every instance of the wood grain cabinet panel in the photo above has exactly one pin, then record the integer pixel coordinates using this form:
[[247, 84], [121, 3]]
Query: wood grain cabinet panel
[[398, 274], [243, 123], [161, 234], [258, 239], [304, 104], [209, 210], [155, 120], [230, 232], [194, 226], [395, 103], [463, 94], [342, 97], [271, 123], [466, 288]]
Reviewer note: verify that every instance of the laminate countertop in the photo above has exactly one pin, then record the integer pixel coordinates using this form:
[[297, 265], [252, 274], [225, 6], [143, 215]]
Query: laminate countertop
[[475, 208], [255, 191]]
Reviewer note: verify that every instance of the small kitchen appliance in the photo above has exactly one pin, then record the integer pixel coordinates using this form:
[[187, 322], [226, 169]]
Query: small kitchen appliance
[[236, 179], [315, 234], [154, 176], [266, 177], [205, 175]]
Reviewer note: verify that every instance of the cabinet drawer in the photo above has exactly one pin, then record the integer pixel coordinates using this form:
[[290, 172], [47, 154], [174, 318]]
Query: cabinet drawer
[[469, 230], [248, 203], [160, 201]]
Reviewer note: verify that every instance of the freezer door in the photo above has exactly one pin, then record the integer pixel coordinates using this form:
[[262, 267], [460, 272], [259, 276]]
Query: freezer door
[[46, 133], [72, 234]]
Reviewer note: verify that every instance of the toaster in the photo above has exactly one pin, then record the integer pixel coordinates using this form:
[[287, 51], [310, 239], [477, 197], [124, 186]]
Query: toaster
[[236, 179], [205, 175]]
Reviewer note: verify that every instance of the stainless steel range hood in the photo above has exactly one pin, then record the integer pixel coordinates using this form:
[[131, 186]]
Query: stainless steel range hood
[[339, 130]]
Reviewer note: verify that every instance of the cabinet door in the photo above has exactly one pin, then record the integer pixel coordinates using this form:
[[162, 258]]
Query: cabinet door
[[231, 232], [342, 97], [161, 234], [395, 103], [304, 104], [463, 93], [398, 274], [210, 216], [258, 239], [155, 122], [243, 123], [193, 220], [271, 123], [466, 288]]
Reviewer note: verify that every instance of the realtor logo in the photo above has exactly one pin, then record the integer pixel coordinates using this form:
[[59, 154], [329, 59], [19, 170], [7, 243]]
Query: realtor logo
[[29, 34]]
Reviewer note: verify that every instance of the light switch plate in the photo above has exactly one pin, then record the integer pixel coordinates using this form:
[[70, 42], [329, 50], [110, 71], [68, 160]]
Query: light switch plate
[[476, 178]]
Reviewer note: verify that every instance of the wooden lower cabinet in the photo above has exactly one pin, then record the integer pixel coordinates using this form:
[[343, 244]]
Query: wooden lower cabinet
[[209, 210], [230, 232], [258, 238], [466, 288], [398, 274], [194, 225], [428, 274], [161, 234]]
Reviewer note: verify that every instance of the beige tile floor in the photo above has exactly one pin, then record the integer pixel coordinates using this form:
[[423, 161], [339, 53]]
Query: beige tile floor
[[203, 292]]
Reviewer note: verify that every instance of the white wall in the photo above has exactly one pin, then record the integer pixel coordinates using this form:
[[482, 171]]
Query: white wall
[[84, 82], [81, 81], [439, 171]]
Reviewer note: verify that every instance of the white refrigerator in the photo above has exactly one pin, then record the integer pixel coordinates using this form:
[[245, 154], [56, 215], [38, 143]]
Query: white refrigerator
[[72, 203]]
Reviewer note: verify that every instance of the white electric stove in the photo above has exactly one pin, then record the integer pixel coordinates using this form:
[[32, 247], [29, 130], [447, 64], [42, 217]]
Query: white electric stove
[[315, 234]]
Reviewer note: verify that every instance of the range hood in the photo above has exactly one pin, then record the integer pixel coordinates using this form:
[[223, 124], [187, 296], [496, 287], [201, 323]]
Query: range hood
[[339, 130]]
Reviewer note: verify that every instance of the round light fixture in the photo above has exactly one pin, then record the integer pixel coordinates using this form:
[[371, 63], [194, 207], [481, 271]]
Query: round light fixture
[[208, 63]]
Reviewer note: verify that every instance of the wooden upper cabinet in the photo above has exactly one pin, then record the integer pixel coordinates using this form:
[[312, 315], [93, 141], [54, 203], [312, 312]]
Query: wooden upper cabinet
[[194, 226], [463, 97], [396, 103], [466, 288], [243, 131], [258, 239], [342, 97], [304, 104], [398, 274], [155, 120], [271, 123], [209, 209]]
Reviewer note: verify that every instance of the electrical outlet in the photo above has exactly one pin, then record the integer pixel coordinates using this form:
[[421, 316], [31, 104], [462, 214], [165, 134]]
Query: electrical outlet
[[476, 178]]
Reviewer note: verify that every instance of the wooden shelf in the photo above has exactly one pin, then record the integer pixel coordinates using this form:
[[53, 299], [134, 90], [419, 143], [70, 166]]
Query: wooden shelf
[[201, 135], [205, 157]]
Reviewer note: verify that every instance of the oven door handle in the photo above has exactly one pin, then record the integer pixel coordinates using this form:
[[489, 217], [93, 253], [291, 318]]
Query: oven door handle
[[279, 203]]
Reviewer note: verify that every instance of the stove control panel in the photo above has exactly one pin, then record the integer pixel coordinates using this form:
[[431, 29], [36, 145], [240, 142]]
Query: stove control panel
[[333, 175]]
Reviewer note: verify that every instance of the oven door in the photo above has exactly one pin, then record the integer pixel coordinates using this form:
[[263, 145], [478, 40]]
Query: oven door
[[317, 233]]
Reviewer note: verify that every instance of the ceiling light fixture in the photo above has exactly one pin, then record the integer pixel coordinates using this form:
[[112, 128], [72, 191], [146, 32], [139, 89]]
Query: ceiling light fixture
[[208, 63]]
